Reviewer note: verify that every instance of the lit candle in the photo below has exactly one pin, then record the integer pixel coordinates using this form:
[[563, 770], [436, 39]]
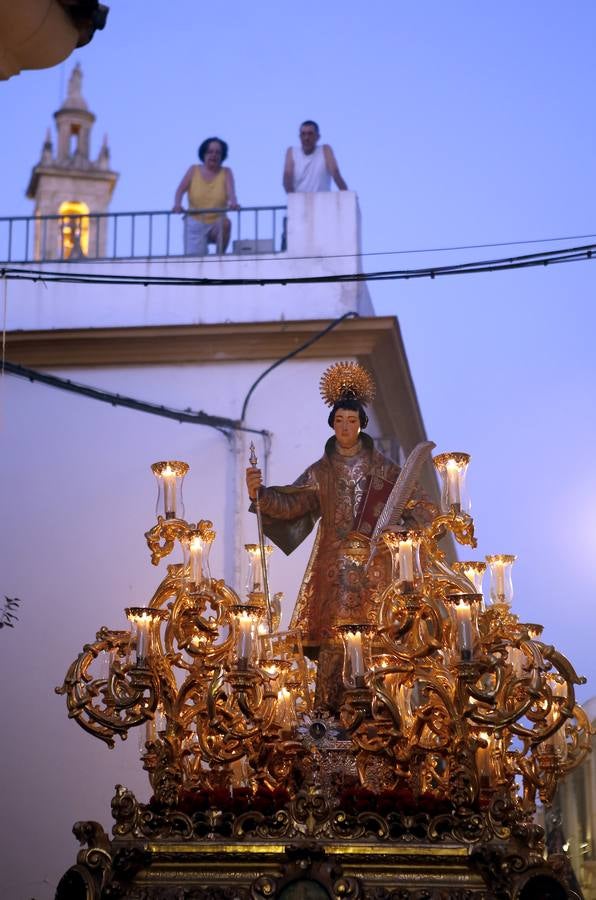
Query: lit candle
[[142, 622], [453, 492], [285, 708], [154, 726], [355, 652], [452, 468], [144, 619], [169, 492], [244, 643], [557, 740], [196, 560], [255, 582], [170, 476], [405, 561], [464, 628], [501, 588], [475, 573]]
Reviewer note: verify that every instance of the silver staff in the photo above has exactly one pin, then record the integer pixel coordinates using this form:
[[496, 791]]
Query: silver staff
[[253, 462]]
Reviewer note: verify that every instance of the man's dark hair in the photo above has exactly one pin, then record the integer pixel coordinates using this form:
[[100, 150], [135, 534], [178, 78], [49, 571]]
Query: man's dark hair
[[205, 145], [310, 122], [353, 406]]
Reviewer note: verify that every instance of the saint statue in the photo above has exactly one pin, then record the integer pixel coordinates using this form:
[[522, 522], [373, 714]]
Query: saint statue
[[346, 490]]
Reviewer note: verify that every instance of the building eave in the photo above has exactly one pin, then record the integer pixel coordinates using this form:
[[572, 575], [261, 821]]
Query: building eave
[[375, 341]]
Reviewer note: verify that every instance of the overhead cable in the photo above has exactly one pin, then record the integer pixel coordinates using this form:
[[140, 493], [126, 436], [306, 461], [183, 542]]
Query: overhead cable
[[283, 359], [530, 260], [221, 423], [287, 257]]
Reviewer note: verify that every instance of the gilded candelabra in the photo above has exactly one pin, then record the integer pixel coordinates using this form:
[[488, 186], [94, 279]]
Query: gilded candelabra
[[451, 706]]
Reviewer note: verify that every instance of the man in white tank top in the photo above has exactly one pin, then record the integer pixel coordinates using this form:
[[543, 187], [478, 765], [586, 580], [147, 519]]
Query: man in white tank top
[[310, 168]]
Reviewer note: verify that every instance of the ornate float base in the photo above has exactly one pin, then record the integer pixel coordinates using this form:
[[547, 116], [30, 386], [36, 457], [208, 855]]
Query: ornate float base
[[306, 851]]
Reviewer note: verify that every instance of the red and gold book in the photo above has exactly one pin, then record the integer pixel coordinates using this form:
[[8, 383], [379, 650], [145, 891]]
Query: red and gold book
[[373, 503]]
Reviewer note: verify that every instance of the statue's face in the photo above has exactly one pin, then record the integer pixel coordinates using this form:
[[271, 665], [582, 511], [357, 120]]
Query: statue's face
[[346, 424]]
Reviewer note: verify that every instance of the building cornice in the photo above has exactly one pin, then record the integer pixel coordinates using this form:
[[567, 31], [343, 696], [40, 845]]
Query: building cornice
[[376, 342], [91, 174]]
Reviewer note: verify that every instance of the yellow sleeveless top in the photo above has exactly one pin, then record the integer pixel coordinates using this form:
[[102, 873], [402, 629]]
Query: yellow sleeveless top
[[208, 194]]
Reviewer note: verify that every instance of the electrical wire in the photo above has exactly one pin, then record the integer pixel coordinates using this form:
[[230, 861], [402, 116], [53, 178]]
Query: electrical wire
[[224, 424], [283, 359], [262, 257], [221, 423], [544, 258]]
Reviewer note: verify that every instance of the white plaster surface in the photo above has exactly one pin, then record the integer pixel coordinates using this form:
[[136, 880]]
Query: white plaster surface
[[323, 239]]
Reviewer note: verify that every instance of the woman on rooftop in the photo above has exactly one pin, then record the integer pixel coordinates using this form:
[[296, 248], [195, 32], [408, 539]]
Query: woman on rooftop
[[209, 185]]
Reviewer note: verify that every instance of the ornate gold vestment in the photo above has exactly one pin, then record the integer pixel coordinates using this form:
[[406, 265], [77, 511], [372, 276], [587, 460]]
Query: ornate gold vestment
[[331, 489]]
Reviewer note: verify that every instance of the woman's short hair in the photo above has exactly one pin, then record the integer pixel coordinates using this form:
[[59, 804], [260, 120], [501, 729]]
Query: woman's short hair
[[352, 405], [204, 146]]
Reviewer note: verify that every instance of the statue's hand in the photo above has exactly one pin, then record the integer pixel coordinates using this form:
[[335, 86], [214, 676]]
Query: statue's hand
[[254, 480]]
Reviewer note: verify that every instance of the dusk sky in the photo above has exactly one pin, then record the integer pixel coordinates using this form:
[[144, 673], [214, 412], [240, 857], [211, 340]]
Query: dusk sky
[[460, 125]]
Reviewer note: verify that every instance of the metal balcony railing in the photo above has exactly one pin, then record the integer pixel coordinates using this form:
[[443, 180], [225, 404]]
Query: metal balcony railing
[[133, 235]]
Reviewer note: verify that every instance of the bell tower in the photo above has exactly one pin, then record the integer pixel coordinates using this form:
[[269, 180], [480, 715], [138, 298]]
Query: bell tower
[[70, 185]]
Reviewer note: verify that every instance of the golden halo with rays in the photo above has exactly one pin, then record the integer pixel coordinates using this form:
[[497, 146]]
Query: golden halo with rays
[[346, 381]]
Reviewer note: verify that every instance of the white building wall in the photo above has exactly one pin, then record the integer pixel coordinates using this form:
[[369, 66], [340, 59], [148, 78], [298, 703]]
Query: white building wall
[[323, 240]]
